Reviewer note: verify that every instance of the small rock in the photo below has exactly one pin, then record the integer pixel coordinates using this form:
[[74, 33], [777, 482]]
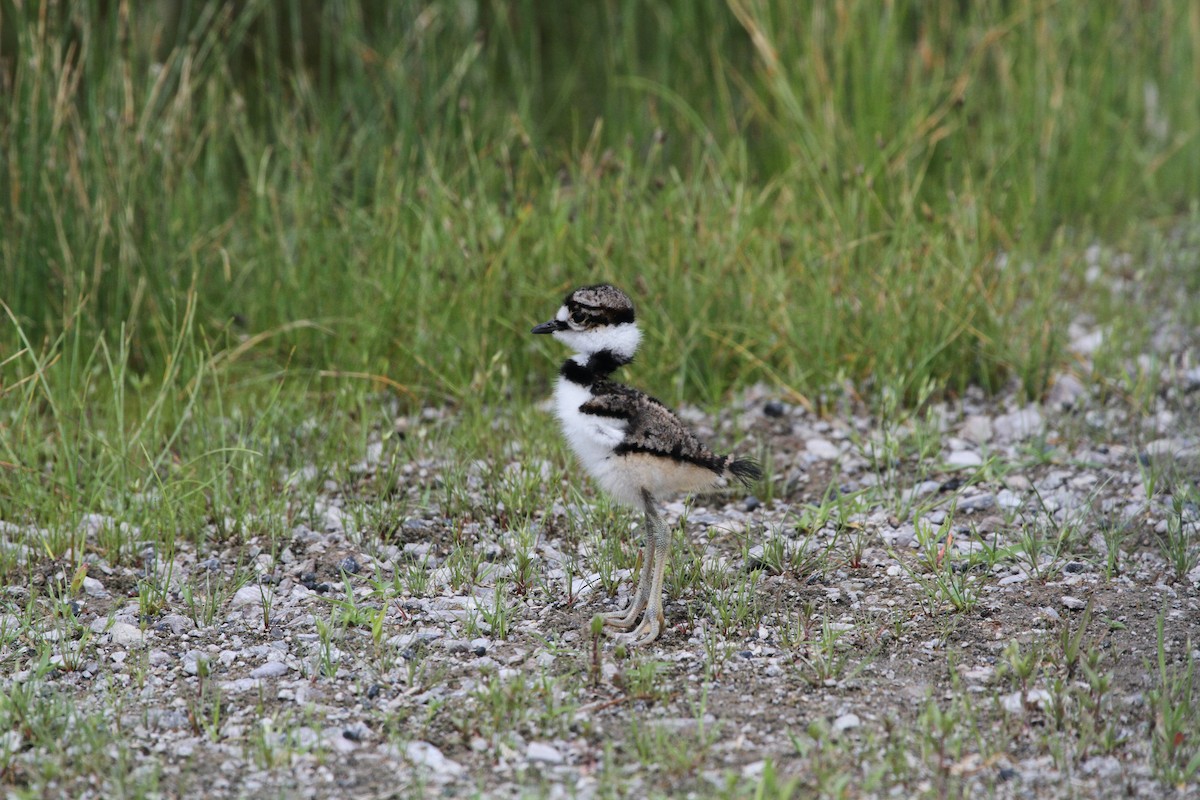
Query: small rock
[[952, 485], [1008, 501], [165, 719], [979, 674], [194, 661], [774, 409], [846, 722], [423, 754], [540, 751], [250, 595], [357, 732], [94, 588], [822, 449], [1018, 483], [240, 685], [124, 635], [11, 742], [964, 458], [1066, 391], [1073, 603], [1102, 767], [979, 502], [1018, 425], [925, 488], [349, 565], [306, 737], [175, 623], [756, 559], [977, 429], [904, 536], [1164, 448], [271, 669], [1034, 698], [1086, 343]]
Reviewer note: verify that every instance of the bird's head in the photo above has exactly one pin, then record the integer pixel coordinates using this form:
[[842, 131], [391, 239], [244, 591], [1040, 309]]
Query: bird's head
[[594, 319]]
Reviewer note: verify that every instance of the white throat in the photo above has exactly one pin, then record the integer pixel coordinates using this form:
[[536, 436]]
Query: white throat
[[621, 340]]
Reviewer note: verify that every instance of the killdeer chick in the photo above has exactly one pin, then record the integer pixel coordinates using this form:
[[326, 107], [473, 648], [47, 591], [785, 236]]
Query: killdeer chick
[[630, 443]]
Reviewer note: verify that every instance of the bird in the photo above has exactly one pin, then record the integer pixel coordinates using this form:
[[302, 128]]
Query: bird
[[632, 445]]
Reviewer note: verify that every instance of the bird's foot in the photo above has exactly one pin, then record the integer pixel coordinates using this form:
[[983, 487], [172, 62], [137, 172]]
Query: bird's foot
[[624, 620], [647, 632]]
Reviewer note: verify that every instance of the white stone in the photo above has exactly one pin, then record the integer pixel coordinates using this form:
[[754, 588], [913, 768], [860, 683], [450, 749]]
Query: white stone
[[1018, 483], [1087, 343], [122, 634], [239, 685], [423, 754], [979, 674], [94, 588], [977, 428], [846, 722], [1066, 391], [979, 502], [1034, 698], [250, 595], [1073, 603], [1018, 425], [271, 669], [546, 753], [1102, 767], [822, 449], [1165, 447], [904, 536], [964, 458], [1009, 501]]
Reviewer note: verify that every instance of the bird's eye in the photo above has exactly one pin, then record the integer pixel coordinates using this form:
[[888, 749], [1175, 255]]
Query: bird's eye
[[577, 319]]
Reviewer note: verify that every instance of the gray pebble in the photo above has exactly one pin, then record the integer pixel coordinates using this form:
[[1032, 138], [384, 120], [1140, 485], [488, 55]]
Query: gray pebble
[[964, 458], [124, 635], [271, 669], [846, 722], [545, 753]]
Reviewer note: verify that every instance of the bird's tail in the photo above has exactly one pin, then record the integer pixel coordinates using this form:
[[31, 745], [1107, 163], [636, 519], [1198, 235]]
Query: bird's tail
[[745, 470]]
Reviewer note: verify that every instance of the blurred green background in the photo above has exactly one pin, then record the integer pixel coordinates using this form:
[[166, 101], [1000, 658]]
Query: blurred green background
[[795, 191]]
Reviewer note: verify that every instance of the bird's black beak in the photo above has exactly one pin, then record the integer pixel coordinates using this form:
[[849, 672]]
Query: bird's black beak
[[546, 327]]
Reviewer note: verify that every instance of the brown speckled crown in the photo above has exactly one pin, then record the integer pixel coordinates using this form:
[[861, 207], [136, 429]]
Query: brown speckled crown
[[602, 304]]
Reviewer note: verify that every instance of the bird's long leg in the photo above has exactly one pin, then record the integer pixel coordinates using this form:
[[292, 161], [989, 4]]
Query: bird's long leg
[[626, 619], [652, 621]]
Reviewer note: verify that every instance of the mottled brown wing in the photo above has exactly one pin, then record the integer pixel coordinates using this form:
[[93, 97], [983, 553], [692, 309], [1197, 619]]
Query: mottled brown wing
[[652, 428]]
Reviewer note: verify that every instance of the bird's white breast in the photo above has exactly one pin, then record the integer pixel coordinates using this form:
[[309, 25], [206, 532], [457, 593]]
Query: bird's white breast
[[594, 439]]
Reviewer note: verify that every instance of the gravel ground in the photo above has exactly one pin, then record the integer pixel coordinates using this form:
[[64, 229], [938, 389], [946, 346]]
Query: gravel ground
[[823, 636]]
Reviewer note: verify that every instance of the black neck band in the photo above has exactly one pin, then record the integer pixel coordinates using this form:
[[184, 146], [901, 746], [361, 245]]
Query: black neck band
[[598, 367]]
